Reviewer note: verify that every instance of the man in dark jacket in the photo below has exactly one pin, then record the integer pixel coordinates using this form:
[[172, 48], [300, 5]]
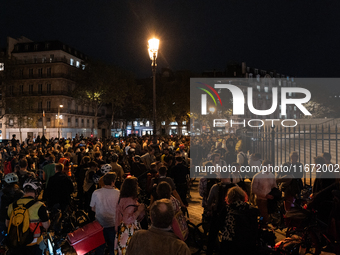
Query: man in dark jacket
[[59, 189], [180, 173]]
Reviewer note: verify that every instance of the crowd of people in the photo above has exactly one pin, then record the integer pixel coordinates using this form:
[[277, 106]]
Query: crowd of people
[[118, 182], [134, 188]]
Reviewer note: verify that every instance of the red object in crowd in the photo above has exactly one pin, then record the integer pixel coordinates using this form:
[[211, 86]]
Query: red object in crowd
[[87, 238]]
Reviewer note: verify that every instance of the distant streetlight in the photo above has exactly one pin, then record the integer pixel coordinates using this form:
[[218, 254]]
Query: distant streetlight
[[153, 51], [212, 109], [60, 106]]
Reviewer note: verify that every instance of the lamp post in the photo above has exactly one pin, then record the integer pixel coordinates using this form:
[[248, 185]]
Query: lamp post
[[153, 51], [60, 106]]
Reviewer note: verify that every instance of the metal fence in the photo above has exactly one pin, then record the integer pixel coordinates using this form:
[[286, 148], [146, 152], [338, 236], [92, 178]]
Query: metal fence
[[308, 140]]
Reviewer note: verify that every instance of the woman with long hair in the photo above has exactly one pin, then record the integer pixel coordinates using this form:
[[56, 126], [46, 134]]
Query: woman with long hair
[[128, 215]]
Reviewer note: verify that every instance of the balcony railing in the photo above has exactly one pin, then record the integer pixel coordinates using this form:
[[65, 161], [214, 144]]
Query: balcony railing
[[39, 93], [43, 61], [71, 76]]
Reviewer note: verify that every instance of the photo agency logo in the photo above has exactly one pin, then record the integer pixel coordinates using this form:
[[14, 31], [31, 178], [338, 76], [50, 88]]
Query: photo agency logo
[[239, 102]]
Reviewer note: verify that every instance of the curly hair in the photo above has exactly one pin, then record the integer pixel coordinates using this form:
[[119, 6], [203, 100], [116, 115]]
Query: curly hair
[[129, 188]]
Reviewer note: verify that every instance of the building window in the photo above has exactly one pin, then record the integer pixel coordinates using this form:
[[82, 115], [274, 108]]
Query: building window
[[40, 72], [71, 61], [48, 106], [69, 122], [35, 59], [30, 89], [49, 72], [259, 95], [258, 88], [82, 122], [88, 123], [48, 88], [11, 122], [51, 58], [30, 73], [26, 47], [21, 89], [47, 46], [184, 122], [267, 97], [21, 73], [2, 66], [77, 64], [76, 122], [40, 106], [256, 71], [48, 122], [43, 59], [294, 108], [40, 88], [83, 67], [265, 89]]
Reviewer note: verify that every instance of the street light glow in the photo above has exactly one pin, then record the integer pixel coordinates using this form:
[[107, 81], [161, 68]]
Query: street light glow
[[61, 106], [153, 47]]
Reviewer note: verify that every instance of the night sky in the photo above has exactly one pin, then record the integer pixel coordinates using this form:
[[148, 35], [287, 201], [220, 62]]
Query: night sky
[[295, 37]]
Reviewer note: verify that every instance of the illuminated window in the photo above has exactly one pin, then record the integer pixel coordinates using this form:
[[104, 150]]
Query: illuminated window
[[77, 64], [71, 61], [265, 89], [2, 66]]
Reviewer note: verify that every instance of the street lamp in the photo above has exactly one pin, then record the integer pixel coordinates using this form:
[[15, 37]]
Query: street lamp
[[153, 51], [60, 106]]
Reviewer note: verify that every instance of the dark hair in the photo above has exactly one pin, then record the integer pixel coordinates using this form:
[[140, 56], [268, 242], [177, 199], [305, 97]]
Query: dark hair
[[162, 213], [129, 188], [163, 190], [327, 156], [319, 160], [236, 194], [85, 160], [59, 167], [109, 178], [179, 159], [23, 163], [97, 154], [162, 170], [93, 164]]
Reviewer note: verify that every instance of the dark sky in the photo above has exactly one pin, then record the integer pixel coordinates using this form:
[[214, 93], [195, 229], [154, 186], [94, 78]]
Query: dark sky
[[295, 37]]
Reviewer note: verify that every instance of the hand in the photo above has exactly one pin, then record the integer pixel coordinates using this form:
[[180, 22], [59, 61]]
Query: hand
[[269, 197]]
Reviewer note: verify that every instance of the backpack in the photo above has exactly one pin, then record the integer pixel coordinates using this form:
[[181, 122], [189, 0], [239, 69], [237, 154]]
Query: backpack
[[19, 233], [7, 167]]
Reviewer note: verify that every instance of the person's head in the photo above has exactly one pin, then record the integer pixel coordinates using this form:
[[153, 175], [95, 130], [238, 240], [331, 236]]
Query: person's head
[[67, 155], [236, 194], [164, 190], [32, 186], [257, 156], [151, 150], [114, 158], [109, 178], [166, 151], [105, 168], [23, 163], [129, 188], [215, 157], [13, 136], [51, 158], [162, 171], [59, 167], [162, 213], [93, 165], [237, 166], [319, 160], [267, 163], [85, 160], [97, 155], [294, 156], [137, 158], [11, 178], [327, 156], [179, 159]]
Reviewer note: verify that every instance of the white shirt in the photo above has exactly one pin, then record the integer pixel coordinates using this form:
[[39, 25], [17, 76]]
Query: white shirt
[[105, 201], [262, 184]]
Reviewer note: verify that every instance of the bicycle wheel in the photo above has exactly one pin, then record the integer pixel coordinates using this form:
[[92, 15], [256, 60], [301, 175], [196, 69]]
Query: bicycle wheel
[[193, 239]]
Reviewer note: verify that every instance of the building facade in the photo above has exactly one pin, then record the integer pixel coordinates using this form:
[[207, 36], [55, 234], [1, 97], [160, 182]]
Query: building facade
[[44, 76]]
